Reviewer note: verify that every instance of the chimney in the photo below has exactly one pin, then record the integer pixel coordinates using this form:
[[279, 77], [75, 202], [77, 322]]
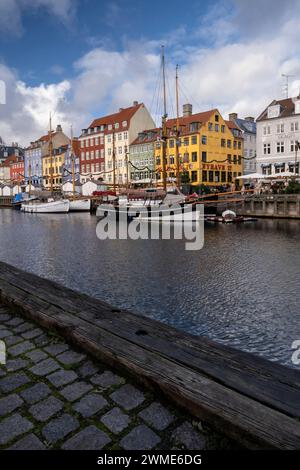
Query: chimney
[[233, 116], [135, 103], [58, 128], [249, 118], [187, 109]]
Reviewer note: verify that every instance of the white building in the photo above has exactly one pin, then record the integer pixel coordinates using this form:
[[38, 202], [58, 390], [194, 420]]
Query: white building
[[248, 128], [122, 129], [278, 131]]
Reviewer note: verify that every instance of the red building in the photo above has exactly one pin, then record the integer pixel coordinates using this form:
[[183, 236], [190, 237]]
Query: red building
[[17, 170]]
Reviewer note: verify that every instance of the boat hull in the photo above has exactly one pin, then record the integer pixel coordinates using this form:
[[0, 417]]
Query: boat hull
[[54, 207], [80, 205]]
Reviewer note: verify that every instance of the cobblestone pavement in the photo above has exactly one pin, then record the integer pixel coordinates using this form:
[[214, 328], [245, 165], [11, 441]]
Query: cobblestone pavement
[[53, 396]]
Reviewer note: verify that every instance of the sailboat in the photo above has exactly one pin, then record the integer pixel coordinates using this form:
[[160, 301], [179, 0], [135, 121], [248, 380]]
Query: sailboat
[[50, 206], [77, 204]]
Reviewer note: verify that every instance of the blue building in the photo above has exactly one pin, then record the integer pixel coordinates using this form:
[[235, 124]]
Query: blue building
[[67, 175]]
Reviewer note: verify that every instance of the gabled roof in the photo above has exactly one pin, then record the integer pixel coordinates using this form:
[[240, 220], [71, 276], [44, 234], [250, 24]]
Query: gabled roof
[[123, 115], [247, 126], [147, 138], [287, 109], [185, 121]]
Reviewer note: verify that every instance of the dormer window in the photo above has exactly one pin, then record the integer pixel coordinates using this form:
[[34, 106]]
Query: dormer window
[[124, 123], [116, 125], [109, 127], [274, 111], [217, 118]]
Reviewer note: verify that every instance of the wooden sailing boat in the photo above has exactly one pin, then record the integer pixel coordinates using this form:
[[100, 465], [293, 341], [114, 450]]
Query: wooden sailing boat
[[77, 204]]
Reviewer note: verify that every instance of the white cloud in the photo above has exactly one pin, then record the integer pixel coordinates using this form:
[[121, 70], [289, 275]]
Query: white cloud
[[233, 72]]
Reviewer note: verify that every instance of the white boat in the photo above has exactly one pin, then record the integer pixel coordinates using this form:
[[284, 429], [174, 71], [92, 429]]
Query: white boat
[[49, 207], [80, 205], [185, 213]]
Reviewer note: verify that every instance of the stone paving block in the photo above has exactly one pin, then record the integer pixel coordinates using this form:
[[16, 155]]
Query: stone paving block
[[12, 340], [45, 409], [2, 372], [55, 349], [16, 321], [157, 416], [10, 403], [42, 340], [70, 357], [12, 381], [36, 355], [5, 317], [90, 404], [35, 393], [127, 397], [59, 428], [12, 427], [29, 442], [5, 333], [62, 377], [76, 390], [32, 333], [44, 367], [107, 379], [21, 348], [87, 369], [140, 438], [185, 435], [115, 420], [23, 327], [90, 438], [13, 365]]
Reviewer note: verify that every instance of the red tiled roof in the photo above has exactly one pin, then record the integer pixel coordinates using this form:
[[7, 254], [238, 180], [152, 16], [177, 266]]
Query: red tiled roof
[[147, 139], [287, 105], [185, 121], [124, 115], [9, 160], [232, 125]]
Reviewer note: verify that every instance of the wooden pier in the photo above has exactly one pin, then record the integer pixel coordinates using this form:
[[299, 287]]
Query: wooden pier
[[252, 400]]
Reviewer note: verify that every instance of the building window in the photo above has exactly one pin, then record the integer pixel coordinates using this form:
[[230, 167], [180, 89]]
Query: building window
[[194, 176], [239, 145], [234, 144], [194, 139], [229, 158], [210, 126], [124, 123], [223, 143], [280, 147], [171, 143], [109, 138], [120, 136], [217, 118], [204, 140], [223, 176], [172, 160], [204, 175], [204, 156], [223, 128], [239, 160], [217, 127], [186, 141], [96, 140], [234, 159], [217, 176], [211, 176], [267, 149], [157, 160], [228, 143], [194, 156], [116, 125]]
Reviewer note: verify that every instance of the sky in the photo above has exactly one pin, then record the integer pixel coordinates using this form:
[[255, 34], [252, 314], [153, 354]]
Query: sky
[[80, 59]]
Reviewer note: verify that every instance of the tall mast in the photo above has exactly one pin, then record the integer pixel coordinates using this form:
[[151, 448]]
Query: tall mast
[[114, 162], [177, 132], [73, 163], [50, 153], [164, 121]]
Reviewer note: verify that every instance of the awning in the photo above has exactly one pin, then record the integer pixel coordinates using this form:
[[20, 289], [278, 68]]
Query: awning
[[279, 165], [265, 165]]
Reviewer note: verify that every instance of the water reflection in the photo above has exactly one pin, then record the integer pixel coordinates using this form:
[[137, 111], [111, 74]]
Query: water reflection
[[242, 288]]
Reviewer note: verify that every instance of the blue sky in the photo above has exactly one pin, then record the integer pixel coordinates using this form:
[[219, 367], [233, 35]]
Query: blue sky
[[85, 58]]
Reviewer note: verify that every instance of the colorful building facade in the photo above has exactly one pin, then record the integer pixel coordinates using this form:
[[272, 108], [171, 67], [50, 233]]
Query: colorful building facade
[[142, 155], [53, 168], [210, 149]]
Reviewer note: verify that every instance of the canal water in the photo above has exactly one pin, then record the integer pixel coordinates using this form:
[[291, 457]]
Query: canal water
[[241, 289]]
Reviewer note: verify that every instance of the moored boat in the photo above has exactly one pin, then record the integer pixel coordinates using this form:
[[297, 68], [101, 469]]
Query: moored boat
[[80, 205], [50, 207]]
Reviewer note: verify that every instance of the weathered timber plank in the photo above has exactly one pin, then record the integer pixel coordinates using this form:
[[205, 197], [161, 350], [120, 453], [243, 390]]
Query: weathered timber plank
[[269, 383]]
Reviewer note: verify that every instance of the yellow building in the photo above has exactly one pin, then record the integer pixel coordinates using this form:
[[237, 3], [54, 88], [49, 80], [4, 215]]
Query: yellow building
[[58, 161], [210, 149]]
